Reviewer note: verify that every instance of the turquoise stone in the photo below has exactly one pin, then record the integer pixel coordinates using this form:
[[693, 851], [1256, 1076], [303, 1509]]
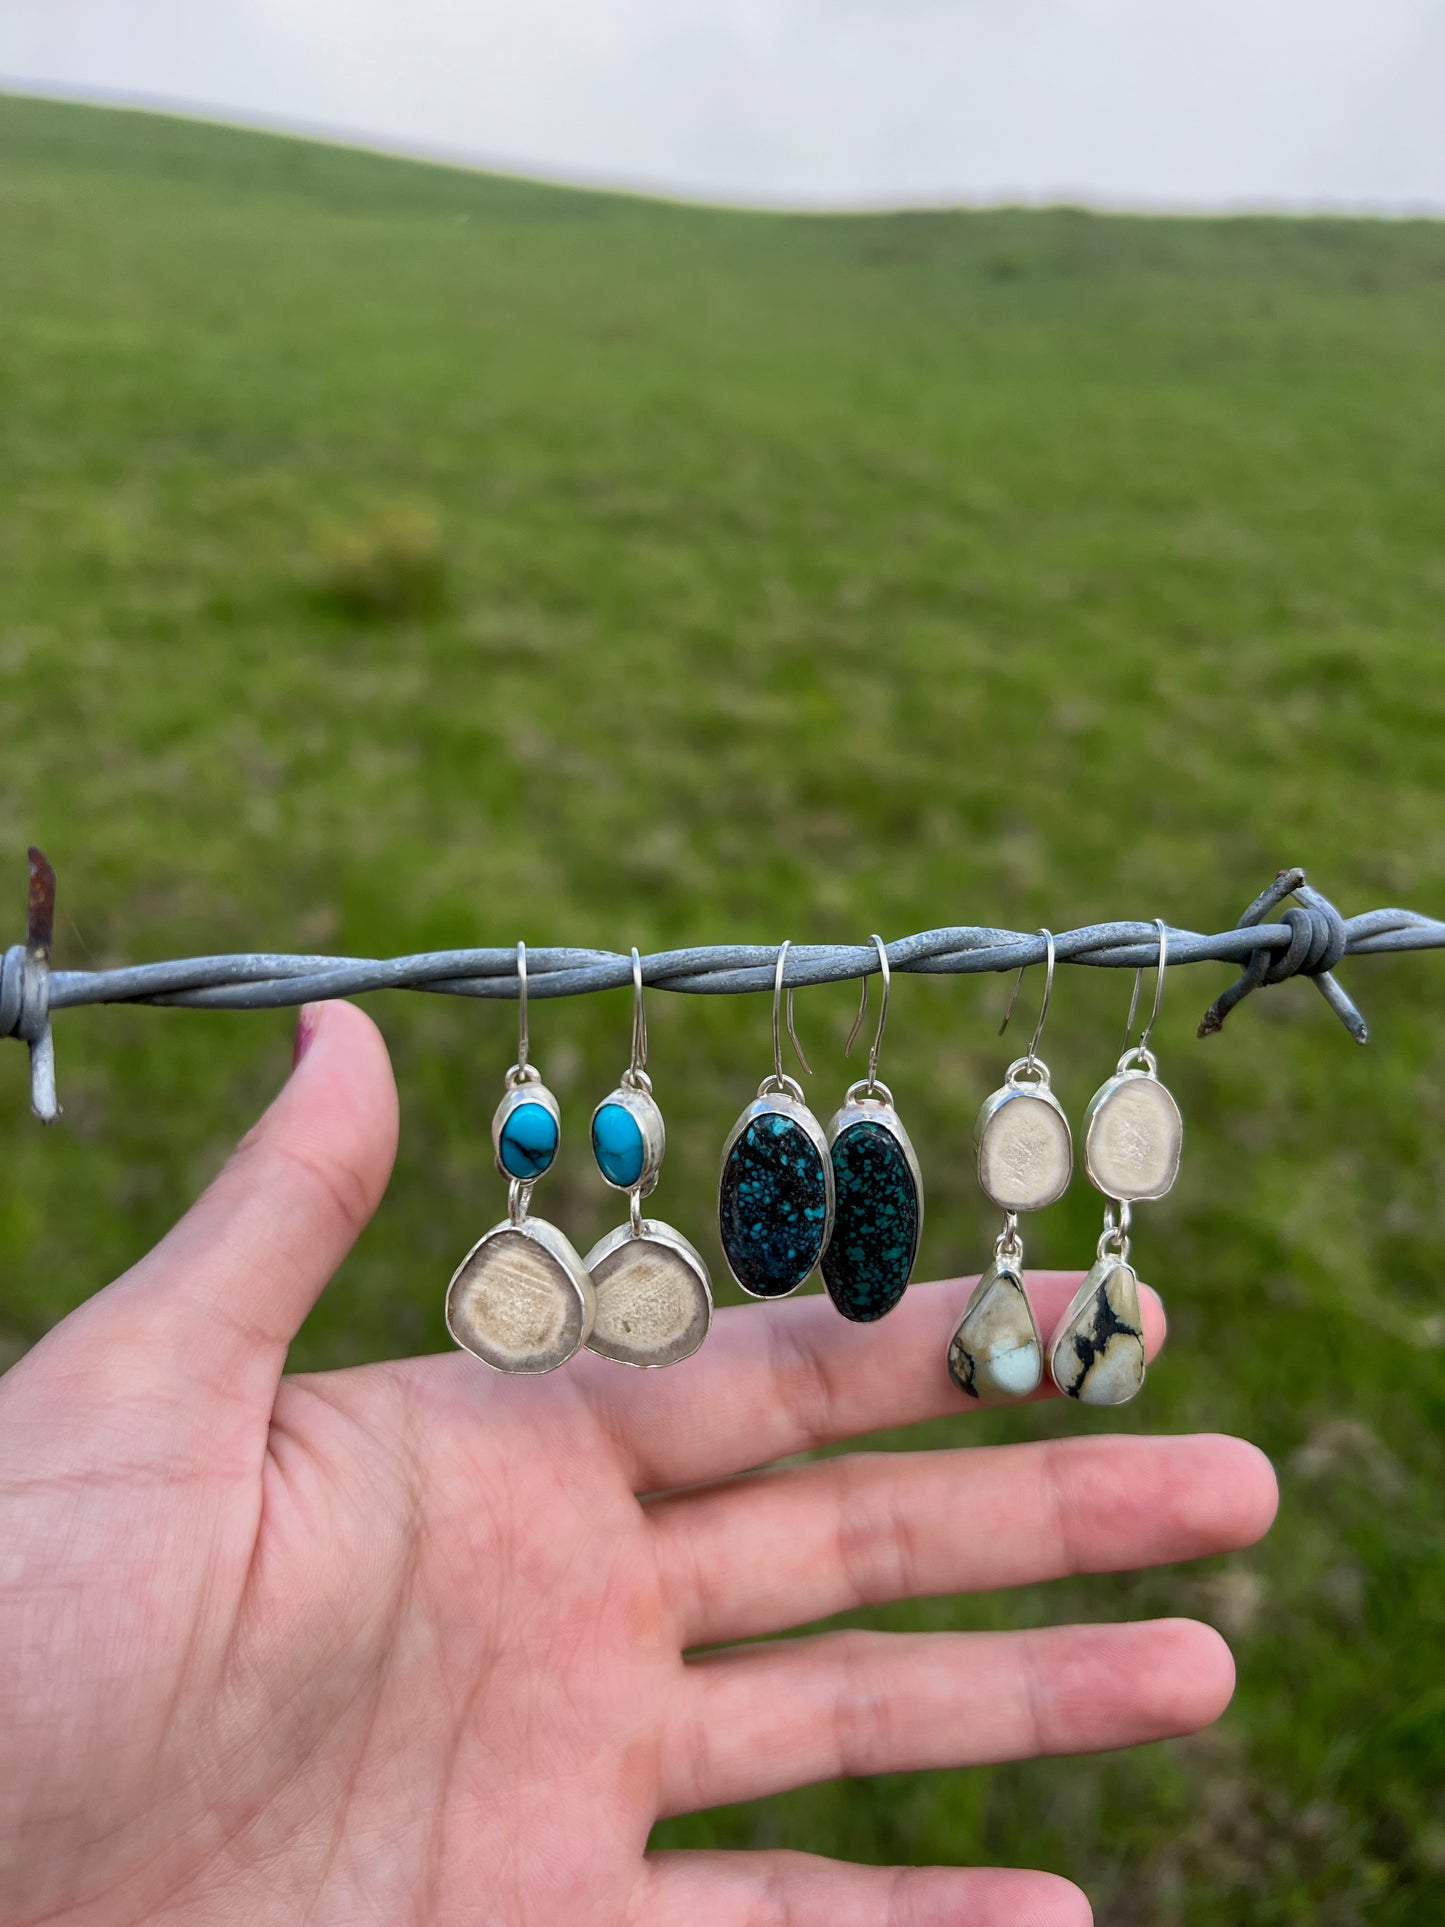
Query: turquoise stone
[[773, 1206], [527, 1142], [617, 1146], [875, 1230]]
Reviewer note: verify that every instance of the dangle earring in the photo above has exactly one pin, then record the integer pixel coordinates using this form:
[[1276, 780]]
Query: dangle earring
[[654, 1299], [521, 1300], [1025, 1161], [775, 1198], [1133, 1137], [877, 1186]]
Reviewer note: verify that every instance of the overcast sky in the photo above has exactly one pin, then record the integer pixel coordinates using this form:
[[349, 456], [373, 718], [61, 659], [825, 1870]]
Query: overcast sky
[[1193, 103]]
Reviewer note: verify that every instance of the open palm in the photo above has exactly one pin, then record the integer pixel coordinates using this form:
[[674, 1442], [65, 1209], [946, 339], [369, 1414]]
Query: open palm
[[404, 1644]]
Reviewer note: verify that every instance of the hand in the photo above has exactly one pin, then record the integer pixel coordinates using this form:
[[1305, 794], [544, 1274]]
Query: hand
[[402, 1645]]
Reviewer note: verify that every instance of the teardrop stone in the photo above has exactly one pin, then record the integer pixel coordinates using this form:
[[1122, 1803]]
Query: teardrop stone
[[876, 1222], [1097, 1354], [995, 1353], [773, 1206]]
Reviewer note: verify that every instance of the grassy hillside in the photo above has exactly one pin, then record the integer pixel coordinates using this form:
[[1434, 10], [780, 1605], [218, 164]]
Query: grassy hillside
[[393, 557]]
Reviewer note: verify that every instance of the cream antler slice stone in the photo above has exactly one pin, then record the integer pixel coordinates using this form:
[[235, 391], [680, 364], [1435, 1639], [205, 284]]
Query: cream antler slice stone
[[1025, 1152], [521, 1299], [1133, 1137], [1097, 1353], [995, 1353], [654, 1299]]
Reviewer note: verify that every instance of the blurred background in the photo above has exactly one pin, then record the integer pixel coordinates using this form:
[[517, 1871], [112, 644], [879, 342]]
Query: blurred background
[[394, 556]]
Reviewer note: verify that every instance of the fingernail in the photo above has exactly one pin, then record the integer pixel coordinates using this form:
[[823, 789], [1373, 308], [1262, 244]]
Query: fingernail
[[307, 1020]]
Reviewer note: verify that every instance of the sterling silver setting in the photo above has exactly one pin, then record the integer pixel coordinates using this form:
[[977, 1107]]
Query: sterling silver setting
[[521, 1300], [767, 1254], [634, 1095], [1133, 1139], [653, 1294], [1025, 1163], [859, 1106], [1133, 1132]]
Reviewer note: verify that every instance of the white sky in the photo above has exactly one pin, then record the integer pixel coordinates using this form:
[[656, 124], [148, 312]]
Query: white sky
[[1186, 103]]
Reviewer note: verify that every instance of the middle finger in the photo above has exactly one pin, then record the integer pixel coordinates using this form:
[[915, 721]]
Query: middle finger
[[778, 1549]]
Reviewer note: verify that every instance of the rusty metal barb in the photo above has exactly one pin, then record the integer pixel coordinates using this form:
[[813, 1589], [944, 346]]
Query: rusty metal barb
[[25, 989]]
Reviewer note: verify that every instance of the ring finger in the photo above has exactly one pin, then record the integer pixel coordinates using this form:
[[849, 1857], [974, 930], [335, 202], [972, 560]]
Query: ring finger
[[778, 1549], [765, 1718]]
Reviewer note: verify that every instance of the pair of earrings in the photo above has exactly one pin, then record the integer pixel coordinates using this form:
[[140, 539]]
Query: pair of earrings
[[523, 1300], [792, 1196], [1133, 1138]]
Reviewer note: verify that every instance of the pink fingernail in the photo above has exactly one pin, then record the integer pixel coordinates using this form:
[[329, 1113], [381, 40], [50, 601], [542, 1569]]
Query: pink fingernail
[[307, 1021]]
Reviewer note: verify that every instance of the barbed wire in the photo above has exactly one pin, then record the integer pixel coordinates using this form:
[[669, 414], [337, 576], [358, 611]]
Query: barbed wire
[[1309, 939]]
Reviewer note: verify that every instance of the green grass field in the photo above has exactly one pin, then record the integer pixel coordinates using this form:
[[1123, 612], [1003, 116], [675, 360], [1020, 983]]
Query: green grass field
[[393, 557]]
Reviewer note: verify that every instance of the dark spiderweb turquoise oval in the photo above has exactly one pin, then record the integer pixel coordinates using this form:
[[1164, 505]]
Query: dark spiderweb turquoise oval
[[773, 1206], [875, 1226]]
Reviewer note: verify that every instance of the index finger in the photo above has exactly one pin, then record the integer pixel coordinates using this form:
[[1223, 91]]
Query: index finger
[[782, 1378]]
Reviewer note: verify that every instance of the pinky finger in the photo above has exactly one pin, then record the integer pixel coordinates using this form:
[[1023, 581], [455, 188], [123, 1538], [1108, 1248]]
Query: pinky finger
[[800, 1890]]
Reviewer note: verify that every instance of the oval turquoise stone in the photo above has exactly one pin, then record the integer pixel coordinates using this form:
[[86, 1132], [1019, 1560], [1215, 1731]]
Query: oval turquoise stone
[[617, 1145], [875, 1225], [773, 1206], [527, 1142]]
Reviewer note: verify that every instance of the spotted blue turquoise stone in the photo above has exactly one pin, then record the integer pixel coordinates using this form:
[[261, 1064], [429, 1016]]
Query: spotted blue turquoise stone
[[617, 1145], [527, 1142], [773, 1206], [876, 1222]]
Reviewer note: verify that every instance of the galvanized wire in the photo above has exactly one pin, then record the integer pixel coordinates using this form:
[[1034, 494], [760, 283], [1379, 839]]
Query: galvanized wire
[[1308, 939]]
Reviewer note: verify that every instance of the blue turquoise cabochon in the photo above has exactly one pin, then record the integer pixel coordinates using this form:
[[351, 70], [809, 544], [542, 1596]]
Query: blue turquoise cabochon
[[527, 1142], [617, 1145]]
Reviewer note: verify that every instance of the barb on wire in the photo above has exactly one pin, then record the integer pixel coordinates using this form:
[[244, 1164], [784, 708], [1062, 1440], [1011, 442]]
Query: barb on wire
[[1308, 940]]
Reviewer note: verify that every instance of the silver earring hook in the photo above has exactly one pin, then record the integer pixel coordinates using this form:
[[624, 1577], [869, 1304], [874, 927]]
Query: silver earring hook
[[887, 977], [1143, 1043], [1032, 1057], [778, 1002], [522, 1007], [639, 1020]]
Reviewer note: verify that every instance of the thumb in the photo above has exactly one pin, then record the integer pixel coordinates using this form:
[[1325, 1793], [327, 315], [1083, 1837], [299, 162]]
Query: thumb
[[217, 1302]]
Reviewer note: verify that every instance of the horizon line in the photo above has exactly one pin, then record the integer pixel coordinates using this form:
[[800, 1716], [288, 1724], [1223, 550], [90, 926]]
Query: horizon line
[[323, 133]]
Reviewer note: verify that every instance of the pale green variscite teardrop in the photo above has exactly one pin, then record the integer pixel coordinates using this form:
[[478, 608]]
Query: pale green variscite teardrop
[[995, 1353], [1097, 1353]]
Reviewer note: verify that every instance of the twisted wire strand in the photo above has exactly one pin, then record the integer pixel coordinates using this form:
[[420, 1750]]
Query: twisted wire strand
[[1308, 939]]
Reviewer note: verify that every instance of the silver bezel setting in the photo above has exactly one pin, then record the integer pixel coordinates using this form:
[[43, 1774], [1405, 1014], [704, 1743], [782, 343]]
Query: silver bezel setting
[[1094, 1284], [789, 1102], [653, 1231], [863, 1109], [562, 1251], [1119, 1081], [1000, 1268], [1035, 1090], [524, 1087], [644, 1109]]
